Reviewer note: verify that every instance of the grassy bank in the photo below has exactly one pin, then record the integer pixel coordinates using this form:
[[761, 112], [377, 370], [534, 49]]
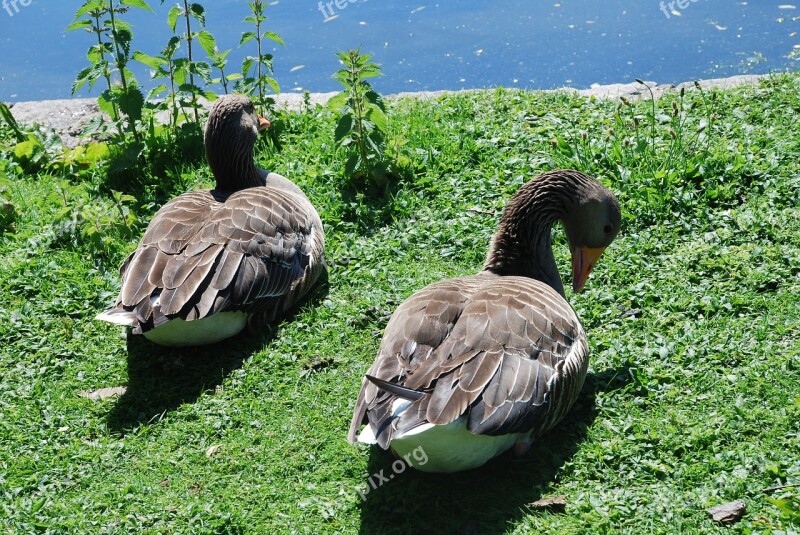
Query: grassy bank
[[692, 315]]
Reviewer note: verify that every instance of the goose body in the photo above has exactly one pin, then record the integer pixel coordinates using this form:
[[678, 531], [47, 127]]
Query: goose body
[[473, 366], [212, 262]]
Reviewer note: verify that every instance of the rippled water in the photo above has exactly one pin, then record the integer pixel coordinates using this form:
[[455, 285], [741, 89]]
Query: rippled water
[[428, 46]]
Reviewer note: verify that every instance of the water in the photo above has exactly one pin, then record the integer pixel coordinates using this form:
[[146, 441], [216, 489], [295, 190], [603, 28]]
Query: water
[[428, 46]]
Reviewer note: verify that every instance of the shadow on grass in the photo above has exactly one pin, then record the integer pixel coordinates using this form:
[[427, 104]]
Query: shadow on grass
[[367, 206], [160, 379], [489, 499]]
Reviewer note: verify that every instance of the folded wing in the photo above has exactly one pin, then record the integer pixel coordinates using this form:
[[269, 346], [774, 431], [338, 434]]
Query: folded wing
[[506, 352], [200, 256]]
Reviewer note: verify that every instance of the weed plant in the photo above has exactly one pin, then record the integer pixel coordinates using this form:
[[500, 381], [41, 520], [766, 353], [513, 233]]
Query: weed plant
[[256, 77], [363, 126], [109, 59]]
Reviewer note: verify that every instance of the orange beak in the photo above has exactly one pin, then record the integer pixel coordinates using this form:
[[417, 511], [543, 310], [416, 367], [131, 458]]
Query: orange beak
[[583, 261], [263, 124]]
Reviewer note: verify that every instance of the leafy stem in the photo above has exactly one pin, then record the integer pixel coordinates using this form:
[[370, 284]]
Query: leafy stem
[[363, 125]]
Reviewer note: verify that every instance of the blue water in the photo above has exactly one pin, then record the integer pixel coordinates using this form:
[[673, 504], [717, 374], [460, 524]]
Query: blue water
[[426, 46]]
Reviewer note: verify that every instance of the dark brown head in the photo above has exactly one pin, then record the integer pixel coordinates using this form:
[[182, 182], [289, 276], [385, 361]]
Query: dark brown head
[[231, 132], [590, 214], [591, 220]]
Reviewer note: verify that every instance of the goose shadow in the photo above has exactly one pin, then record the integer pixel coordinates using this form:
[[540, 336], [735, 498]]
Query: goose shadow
[[160, 379], [488, 499]]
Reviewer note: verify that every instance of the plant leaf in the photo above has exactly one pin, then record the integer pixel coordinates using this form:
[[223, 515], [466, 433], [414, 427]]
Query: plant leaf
[[172, 17], [154, 62], [272, 36], [207, 41], [353, 163], [339, 101], [94, 5], [246, 37], [199, 13], [106, 104], [131, 102], [78, 24], [343, 128], [378, 118], [141, 4]]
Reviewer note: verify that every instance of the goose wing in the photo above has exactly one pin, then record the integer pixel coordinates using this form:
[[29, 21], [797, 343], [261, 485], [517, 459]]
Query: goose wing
[[200, 256], [507, 352]]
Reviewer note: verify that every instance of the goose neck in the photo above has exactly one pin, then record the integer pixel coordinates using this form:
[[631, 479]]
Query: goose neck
[[522, 244]]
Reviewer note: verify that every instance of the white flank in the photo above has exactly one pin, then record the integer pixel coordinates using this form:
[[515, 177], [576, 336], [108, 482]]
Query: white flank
[[448, 448], [208, 330]]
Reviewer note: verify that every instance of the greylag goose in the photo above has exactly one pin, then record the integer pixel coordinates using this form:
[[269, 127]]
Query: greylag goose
[[212, 261], [473, 366]]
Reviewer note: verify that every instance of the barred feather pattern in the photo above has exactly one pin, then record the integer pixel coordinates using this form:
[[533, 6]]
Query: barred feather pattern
[[508, 352], [259, 251]]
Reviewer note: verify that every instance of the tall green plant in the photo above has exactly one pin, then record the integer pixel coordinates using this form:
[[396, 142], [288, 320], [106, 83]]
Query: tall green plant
[[363, 125], [109, 58], [191, 67], [164, 67], [180, 74], [257, 70]]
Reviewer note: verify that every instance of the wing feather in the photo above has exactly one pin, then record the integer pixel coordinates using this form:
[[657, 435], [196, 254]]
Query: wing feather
[[492, 348], [199, 256]]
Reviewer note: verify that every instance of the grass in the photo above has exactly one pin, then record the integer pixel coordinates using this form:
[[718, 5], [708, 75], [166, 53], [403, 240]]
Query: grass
[[693, 397]]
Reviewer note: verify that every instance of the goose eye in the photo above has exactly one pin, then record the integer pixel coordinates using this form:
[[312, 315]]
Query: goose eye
[[608, 228]]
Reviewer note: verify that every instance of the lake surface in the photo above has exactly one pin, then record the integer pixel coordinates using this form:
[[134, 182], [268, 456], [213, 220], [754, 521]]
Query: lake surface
[[428, 46]]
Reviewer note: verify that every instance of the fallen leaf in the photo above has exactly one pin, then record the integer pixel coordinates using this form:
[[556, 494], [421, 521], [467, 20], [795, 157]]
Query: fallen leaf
[[212, 450], [728, 513], [104, 393], [556, 504]]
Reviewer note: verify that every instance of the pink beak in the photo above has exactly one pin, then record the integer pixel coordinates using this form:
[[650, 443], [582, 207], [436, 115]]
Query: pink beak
[[263, 124], [583, 261]]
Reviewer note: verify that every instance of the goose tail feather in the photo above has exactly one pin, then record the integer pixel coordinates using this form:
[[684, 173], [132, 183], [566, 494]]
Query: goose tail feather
[[399, 391], [118, 316]]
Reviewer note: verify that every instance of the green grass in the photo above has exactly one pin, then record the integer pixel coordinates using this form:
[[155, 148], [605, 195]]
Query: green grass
[[693, 397]]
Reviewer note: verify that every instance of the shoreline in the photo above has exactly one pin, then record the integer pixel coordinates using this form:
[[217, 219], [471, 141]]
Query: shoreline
[[68, 116]]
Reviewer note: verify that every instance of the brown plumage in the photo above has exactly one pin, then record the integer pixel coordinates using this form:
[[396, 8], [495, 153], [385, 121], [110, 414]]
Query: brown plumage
[[251, 247], [471, 366]]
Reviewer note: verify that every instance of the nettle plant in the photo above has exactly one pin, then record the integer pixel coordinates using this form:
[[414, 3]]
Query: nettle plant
[[363, 125], [179, 92], [182, 79], [256, 78], [122, 98]]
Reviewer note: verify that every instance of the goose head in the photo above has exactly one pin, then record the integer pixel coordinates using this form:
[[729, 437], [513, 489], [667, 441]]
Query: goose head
[[591, 221], [522, 244], [231, 132]]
